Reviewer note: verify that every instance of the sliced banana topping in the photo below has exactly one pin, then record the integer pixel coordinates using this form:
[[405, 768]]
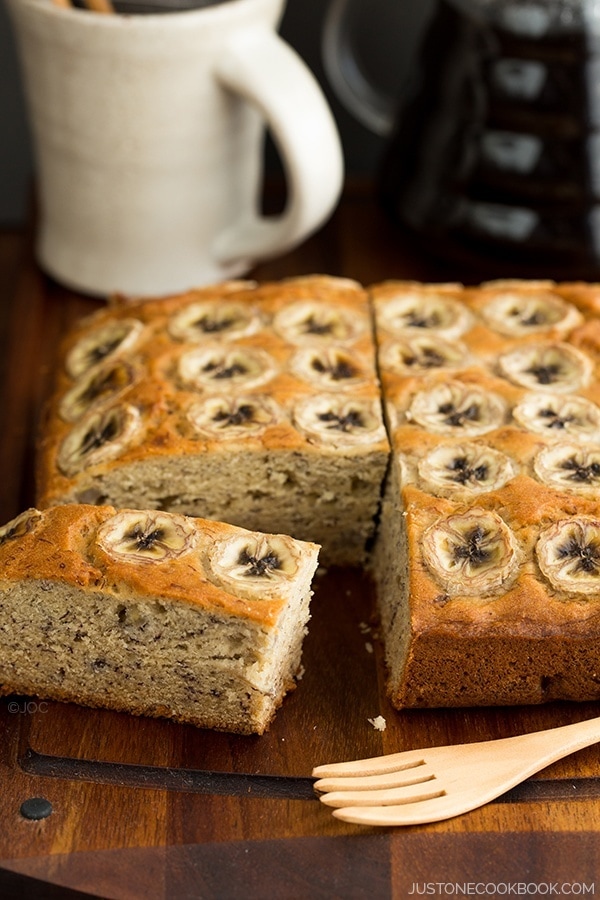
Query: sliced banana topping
[[214, 319], [465, 467], [221, 368], [315, 321], [338, 420], [515, 314], [457, 408], [154, 536], [119, 336], [20, 525], [424, 312], [254, 564], [472, 554], [559, 418], [104, 382], [570, 467], [329, 368], [568, 554], [233, 417], [98, 438], [418, 353], [558, 368]]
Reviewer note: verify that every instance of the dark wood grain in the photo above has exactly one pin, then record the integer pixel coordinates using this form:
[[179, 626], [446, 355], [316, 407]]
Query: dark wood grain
[[144, 807]]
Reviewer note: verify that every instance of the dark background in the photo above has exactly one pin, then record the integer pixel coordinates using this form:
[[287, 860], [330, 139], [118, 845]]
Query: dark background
[[387, 32]]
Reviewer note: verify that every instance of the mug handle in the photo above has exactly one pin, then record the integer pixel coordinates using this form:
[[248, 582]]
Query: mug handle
[[262, 68], [372, 107]]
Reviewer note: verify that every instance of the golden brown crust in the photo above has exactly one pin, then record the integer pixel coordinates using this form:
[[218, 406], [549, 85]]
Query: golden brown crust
[[162, 359], [61, 544], [508, 372], [529, 608]]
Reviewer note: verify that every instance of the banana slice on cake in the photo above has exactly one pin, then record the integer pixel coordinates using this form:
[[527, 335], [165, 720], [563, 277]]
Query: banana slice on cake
[[225, 368], [330, 368], [456, 408], [232, 417], [558, 368], [568, 466], [341, 421], [414, 354], [103, 343], [102, 383], [20, 525], [254, 564], [417, 312], [318, 322], [99, 437], [568, 554], [156, 536], [559, 417], [465, 467], [212, 319], [515, 313], [472, 553]]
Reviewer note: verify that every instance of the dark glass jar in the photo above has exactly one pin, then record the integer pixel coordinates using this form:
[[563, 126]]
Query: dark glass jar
[[494, 160], [494, 156]]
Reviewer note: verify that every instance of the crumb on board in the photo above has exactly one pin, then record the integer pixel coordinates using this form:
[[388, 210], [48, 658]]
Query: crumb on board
[[378, 723], [369, 647]]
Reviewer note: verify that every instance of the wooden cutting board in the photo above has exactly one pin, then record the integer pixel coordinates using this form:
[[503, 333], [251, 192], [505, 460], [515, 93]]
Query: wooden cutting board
[[147, 808]]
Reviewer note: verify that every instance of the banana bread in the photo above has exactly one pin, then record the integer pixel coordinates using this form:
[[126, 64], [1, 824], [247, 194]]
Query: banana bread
[[254, 405], [152, 613], [488, 557]]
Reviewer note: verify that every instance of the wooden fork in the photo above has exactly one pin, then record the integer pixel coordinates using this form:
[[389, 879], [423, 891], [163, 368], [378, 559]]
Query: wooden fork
[[419, 786]]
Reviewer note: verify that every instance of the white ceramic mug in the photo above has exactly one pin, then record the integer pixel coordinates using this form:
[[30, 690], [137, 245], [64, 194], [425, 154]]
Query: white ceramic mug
[[148, 132]]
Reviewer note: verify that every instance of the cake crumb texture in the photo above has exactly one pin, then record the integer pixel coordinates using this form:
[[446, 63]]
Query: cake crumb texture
[[153, 614]]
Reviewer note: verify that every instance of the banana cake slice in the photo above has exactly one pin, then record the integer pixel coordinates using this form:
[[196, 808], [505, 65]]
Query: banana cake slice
[[153, 614], [257, 405], [488, 556]]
